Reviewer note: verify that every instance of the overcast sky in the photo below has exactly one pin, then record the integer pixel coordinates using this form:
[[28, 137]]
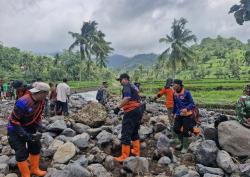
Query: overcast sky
[[133, 26]]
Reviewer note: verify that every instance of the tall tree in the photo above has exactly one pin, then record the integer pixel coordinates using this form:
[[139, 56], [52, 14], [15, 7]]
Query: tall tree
[[241, 11], [178, 53], [91, 43]]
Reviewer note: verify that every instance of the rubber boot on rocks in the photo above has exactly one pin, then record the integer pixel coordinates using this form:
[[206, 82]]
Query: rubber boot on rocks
[[24, 168], [179, 146], [136, 148], [125, 153], [34, 165], [185, 145]]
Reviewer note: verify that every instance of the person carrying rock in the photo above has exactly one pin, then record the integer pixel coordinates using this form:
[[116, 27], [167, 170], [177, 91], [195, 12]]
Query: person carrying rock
[[131, 121], [103, 94], [169, 94], [243, 108], [24, 122], [184, 122]]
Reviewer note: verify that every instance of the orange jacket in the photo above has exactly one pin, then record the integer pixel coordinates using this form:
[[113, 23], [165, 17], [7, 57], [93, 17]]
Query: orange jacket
[[169, 93]]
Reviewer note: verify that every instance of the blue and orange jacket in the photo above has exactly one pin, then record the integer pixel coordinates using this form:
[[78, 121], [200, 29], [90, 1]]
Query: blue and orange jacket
[[27, 112], [183, 100], [134, 101]]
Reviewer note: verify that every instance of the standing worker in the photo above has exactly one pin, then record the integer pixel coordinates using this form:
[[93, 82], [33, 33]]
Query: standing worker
[[63, 92], [5, 90], [184, 120], [102, 95], [169, 94], [22, 130], [131, 121]]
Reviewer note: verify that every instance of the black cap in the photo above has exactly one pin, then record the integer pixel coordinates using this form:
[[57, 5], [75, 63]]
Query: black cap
[[169, 82], [123, 76], [178, 81]]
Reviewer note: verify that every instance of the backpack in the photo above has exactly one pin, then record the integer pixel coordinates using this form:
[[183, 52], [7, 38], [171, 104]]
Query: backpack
[[99, 95], [196, 115]]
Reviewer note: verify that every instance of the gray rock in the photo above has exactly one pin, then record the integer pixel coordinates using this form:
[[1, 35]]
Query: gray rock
[[64, 138], [98, 170], [65, 152], [234, 138], [55, 118], [245, 169], [4, 159], [46, 139], [180, 171], [203, 170], [81, 141], [57, 126], [225, 162], [12, 162], [93, 132], [109, 163], [80, 128], [4, 168], [194, 145], [192, 173], [104, 137], [77, 171], [211, 175], [206, 153], [164, 160], [52, 148], [159, 126], [163, 145], [144, 132], [68, 132], [83, 161], [52, 172], [2, 175], [4, 140], [136, 165], [11, 175]]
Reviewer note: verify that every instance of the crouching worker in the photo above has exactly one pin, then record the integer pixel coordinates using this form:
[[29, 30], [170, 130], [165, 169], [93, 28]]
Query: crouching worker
[[184, 122], [24, 122], [131, 121]]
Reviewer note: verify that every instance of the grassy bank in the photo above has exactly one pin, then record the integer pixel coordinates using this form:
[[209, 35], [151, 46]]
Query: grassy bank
[[207, 92]]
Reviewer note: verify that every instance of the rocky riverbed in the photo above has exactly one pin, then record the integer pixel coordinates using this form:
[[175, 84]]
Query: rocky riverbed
[[84, 144]]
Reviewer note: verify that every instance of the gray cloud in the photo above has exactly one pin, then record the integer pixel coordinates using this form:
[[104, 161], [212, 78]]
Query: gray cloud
[[133, 26]]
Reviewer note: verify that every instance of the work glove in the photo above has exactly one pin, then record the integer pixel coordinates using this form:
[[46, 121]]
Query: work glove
[[36, 137], [116, 110]]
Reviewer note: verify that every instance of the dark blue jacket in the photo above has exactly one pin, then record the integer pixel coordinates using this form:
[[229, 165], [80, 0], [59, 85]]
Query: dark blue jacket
[[183, 100]]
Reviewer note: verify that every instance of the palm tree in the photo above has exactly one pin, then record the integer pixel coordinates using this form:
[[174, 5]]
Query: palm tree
[[84, 40], [91, 43], [178, 53]]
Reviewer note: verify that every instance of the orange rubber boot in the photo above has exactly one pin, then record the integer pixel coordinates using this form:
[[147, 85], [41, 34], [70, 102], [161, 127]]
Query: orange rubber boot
[[34, 163], [24, 168], [136, 148], [125, 153]]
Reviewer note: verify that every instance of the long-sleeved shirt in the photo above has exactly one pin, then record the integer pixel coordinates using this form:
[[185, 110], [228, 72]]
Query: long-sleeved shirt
[[169, 94], [63, 91], [183, 100]]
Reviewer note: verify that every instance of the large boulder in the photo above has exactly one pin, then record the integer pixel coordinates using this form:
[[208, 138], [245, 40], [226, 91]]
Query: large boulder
[[64, 153], [77, 170], [206, 153], [163, 145], [234, 138], [136, 165], [93, 115], [225, 162]]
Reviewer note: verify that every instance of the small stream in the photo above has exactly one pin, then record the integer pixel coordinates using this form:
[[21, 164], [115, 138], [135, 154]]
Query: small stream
[[89, 96]]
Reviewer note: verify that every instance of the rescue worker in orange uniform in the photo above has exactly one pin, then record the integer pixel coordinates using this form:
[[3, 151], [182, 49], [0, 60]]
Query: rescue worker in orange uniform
[[22, 128], [132, 117], [169, 94]]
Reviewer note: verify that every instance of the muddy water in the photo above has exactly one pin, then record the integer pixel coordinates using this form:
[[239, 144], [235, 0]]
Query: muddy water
[[89, 96]]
